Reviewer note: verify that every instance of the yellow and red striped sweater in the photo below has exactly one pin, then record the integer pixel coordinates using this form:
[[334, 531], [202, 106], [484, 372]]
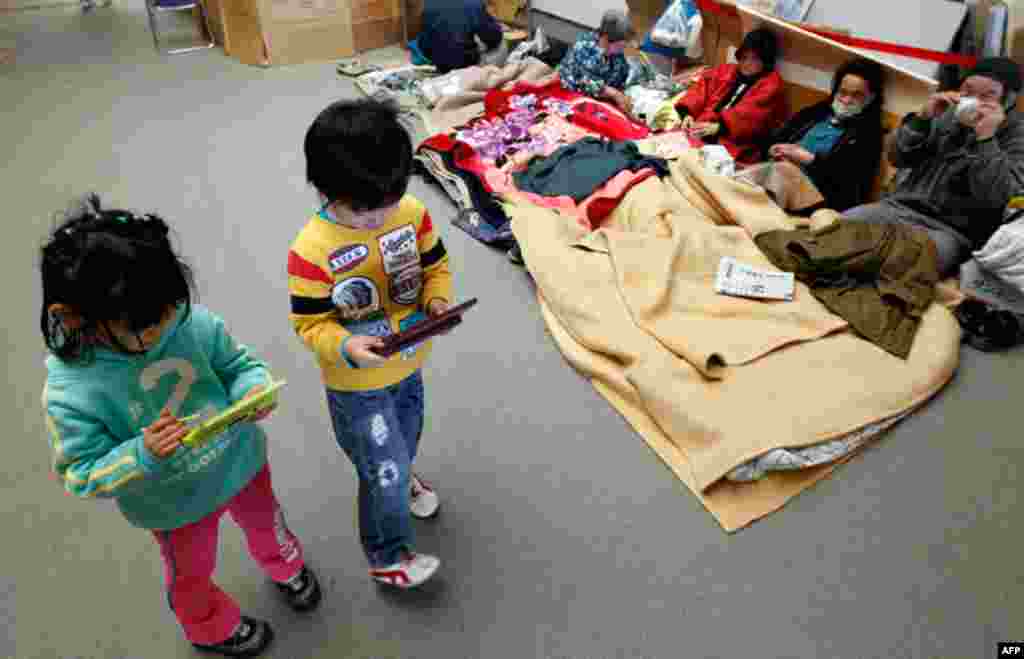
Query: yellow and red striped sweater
[[345, 281]]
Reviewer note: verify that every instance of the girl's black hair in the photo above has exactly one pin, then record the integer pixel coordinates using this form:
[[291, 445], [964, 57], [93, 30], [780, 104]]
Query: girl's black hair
[[109, 265], [359, 154], [869, 71]]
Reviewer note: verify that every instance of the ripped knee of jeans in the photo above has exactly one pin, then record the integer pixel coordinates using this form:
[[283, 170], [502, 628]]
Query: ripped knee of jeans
[[389, 475]]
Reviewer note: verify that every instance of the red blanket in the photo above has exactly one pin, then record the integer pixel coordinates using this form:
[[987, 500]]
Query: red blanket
[[596, 117]]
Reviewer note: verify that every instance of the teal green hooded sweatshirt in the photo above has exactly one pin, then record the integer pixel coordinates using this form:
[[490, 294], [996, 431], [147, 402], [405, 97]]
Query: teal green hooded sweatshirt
[[96, 411]]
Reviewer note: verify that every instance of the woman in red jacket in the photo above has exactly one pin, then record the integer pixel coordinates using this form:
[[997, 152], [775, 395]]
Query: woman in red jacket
[[737, 105]]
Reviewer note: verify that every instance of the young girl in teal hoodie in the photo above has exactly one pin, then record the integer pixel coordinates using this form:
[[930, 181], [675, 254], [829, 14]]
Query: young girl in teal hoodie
[[131, 356]]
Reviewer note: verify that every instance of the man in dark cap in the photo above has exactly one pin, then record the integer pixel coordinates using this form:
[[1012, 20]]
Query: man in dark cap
[[961, 160]]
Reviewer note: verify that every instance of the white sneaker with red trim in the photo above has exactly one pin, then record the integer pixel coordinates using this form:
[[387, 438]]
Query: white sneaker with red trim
[[409, 573], [423, 501]]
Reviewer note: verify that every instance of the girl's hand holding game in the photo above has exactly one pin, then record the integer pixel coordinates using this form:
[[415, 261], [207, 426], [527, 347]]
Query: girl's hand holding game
[[264, 413], [163, 436]]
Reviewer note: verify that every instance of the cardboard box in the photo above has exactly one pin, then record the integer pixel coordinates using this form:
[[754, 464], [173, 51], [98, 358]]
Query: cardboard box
[[243, 32], [215, 16], [511, 12], [414, 10], [286, 11], [377, 34], [376, 23], [283, 32], [373, 10]]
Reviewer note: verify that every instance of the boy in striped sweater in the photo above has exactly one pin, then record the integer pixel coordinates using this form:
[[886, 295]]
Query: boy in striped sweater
[[367, 265]]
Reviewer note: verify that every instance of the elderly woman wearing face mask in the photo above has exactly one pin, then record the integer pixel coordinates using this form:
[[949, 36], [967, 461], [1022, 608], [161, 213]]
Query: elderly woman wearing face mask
[[837, 143], [738, 105], [596, 65]]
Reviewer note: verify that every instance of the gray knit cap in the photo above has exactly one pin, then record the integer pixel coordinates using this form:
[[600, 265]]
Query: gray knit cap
[[615, 25]]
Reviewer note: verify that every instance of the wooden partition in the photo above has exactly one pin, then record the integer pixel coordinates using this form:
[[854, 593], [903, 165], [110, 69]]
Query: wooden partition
[[282, 32]]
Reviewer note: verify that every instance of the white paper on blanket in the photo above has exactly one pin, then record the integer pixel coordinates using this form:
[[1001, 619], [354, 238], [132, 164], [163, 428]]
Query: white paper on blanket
[[741, 280]]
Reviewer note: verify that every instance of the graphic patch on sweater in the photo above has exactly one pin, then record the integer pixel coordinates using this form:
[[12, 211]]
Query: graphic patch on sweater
[[356, 297], [406, 285], [347, 258], [398, 249]]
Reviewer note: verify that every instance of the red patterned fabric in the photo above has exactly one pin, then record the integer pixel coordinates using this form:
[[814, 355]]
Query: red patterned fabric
[[607, 120], [497, 101], [600, 118]]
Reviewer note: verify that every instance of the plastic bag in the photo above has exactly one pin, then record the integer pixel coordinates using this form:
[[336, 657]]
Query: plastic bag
[[679, 27], [535, 46], [1003, 254], [435, 89], [666, 117], [497, 56], [788, 10], [646, 102], [641, 71]]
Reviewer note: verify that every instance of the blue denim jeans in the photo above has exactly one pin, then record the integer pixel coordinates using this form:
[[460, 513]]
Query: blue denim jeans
[[380, 431]]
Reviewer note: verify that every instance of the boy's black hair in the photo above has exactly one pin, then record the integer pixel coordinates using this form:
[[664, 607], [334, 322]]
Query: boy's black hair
[[359, 154], [109, 265]]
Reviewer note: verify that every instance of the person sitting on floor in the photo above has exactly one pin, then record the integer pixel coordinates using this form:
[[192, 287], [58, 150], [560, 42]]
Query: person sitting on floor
[[837, 143], [596, 65], [738, 105], [961, 160], [450, 32]]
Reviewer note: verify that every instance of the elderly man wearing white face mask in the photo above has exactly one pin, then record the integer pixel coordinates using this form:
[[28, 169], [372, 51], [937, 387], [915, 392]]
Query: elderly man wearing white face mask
[[961, 160]]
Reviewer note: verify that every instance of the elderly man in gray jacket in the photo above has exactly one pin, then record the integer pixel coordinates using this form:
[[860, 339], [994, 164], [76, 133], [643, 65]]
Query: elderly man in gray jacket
[[961, 160]]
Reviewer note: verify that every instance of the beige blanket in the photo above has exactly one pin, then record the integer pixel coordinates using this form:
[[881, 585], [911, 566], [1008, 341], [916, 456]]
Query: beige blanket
[[711, 381], [464, 90]]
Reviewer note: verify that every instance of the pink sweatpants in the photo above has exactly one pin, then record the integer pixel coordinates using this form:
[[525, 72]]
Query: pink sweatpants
[[206, 613]]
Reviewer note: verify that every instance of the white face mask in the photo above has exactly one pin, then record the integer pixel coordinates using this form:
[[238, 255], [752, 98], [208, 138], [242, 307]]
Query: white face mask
[[846, 110], [966, 110]]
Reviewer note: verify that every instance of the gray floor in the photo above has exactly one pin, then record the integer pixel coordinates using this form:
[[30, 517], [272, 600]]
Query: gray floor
[[562, 534]]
